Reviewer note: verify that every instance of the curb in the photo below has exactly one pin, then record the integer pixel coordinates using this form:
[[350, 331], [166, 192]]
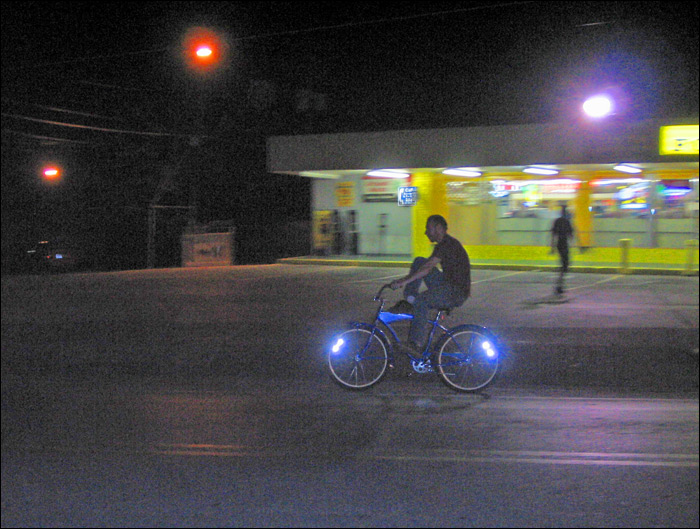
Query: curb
[[491, 266]]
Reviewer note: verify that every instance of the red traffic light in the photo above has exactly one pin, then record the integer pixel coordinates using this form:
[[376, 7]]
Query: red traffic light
[[204, 50]]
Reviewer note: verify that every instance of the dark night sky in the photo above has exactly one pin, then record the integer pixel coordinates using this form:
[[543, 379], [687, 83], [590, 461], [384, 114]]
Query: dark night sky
[[358, 66]]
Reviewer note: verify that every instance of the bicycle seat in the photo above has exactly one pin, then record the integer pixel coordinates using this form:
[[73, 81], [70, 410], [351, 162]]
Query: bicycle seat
[[445, 310]]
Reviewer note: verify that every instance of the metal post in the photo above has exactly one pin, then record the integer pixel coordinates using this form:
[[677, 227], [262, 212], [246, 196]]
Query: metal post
[[151, 247], [625, 256], [691, 249]]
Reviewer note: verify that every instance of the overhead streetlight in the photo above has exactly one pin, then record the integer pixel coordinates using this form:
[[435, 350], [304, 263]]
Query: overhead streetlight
[[204, 50], [51, 173], [598, 106]]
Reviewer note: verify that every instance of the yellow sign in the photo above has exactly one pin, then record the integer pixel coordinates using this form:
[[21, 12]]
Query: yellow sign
[[344, 194], [679, 139], [322, 230]]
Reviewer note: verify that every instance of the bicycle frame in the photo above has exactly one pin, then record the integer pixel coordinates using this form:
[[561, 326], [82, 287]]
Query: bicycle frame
[[387, 318], [466, 357]]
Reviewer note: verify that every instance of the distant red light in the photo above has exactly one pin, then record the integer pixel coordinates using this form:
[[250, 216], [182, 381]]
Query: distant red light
[[204, 51], [51, 173]]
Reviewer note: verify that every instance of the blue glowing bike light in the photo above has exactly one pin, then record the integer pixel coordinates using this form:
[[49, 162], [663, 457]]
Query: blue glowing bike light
[[336, 347]]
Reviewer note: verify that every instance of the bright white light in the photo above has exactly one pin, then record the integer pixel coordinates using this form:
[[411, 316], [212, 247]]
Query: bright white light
[[627, 169], [388, 173], [616, 181], [462, 171], [336, 347], [540, 171], [489, 351], [203, 51], [598, 106]]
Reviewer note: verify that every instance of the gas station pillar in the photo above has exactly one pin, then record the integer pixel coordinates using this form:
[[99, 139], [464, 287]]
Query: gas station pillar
[[583, 218], [432, 200]]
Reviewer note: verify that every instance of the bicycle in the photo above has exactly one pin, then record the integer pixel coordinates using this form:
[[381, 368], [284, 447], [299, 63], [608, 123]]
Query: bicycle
[[466, 358]]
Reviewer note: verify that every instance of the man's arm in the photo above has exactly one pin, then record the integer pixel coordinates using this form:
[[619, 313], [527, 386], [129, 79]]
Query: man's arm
[[423, 271]]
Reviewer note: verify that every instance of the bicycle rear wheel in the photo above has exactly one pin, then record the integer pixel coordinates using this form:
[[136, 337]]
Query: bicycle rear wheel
[[358, 357], [468, 358]]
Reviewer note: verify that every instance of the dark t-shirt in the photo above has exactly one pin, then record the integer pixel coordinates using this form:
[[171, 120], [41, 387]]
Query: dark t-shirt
[[455, 263], [562, 230]]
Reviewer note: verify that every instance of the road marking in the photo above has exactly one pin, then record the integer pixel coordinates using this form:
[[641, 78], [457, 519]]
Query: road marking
[[404, 275], [207, 450], [546, 458], [543, 457], [375, 279], [501, 277], [595, 283]]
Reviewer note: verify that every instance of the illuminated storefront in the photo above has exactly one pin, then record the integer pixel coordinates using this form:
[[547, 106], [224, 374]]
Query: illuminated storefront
[[501, 185]]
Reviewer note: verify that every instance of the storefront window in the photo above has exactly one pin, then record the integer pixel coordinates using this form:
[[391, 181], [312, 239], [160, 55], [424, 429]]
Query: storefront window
[[466, 193], [635, 197], [677, 199], [620, 198], [533, 198]]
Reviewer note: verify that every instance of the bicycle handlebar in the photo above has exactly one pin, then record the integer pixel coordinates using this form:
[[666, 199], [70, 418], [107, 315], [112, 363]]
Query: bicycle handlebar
[[379, 294]]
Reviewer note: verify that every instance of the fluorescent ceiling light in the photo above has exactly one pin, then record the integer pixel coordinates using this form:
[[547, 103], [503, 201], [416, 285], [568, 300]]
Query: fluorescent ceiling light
[[627, 169], [616, 181], [389, 173], [540, 171], [462, 171], [551, 182]]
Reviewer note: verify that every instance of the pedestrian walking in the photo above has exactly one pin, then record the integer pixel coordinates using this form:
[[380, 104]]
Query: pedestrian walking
[[562, 231]]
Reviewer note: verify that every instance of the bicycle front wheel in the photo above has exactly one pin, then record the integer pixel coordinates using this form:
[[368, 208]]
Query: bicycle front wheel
[[468, 358], [358, 358]]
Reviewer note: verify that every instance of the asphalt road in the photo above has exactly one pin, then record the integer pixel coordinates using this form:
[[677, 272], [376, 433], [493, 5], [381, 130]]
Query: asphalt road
[[199, 398], [634, 333]]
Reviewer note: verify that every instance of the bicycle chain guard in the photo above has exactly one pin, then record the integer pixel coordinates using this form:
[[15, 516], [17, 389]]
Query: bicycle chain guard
[[420, 366]]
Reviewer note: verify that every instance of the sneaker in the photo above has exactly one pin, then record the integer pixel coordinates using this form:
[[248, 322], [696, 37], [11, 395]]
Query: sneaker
[[402, 307]]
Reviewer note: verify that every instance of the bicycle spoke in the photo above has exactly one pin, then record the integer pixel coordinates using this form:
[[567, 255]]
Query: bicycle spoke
[[467, 360], [358, 358]]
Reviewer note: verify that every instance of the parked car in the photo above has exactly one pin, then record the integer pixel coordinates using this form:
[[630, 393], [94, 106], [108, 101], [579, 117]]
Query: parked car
[[52, 255]]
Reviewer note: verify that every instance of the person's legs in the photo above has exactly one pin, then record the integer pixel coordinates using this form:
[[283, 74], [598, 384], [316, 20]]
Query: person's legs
[[410, 291], [564, 258], [439, 296]]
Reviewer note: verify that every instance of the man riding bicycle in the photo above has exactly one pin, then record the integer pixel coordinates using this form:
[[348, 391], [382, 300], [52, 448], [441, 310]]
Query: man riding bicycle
[[449, 288]]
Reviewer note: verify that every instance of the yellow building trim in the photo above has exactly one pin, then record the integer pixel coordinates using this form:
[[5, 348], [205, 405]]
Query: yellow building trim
[[666, 256], [432, 200]]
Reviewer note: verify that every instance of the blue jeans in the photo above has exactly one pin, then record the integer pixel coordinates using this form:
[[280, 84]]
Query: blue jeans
[[440, 294]]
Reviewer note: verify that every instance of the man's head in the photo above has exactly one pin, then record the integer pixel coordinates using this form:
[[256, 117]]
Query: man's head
[[436, 228]]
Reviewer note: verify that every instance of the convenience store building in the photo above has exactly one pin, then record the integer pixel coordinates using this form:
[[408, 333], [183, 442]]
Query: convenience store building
[[499, 187]]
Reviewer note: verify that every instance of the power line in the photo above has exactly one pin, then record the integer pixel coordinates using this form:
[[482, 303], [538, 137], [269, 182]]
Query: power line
[[103, 129], [45, 138], [344, 25], [62, 110], [384, 20]]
